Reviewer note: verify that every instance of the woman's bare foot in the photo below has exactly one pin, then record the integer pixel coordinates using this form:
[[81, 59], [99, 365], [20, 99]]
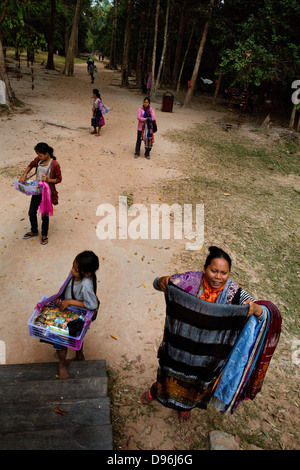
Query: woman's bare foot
[[184, 416], [146, 398]]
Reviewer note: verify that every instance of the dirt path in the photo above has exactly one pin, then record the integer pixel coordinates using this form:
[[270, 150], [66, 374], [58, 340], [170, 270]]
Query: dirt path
[[96, 170]]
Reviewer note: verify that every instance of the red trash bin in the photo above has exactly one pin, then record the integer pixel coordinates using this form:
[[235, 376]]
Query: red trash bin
[[167, 102]]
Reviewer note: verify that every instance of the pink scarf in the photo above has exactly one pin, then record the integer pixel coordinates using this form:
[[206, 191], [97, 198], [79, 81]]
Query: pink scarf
[[46, 207]]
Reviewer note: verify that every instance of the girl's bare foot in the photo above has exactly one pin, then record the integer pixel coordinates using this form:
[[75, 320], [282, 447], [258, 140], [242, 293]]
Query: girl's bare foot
[[62, 372], [79, 356]]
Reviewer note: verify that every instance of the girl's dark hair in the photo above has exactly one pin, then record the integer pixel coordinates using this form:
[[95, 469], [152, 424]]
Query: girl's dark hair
[[88, 262], [147, 98], [97, 93], [44, 148], [215, 252]]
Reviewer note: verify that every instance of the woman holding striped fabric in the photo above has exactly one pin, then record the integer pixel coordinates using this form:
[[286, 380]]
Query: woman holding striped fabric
[[177, 386]]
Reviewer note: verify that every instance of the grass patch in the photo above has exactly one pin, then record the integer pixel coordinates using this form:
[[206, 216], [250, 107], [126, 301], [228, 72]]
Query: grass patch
[[251, 208]]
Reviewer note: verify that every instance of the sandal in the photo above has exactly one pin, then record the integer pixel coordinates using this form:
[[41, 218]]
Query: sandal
[[146, 398], [29, 235], [44, 241]]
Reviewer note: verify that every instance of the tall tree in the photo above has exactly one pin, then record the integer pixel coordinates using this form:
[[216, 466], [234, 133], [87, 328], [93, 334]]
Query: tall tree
[[199, 56], [69, 62], [3, 72], [50, 62], [112, 60], [179, 42], [152, 92], [125, 64], [162, 59], [185, 55]]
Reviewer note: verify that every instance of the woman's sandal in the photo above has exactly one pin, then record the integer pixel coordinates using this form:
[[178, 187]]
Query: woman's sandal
[[29, 235], [44, 241]]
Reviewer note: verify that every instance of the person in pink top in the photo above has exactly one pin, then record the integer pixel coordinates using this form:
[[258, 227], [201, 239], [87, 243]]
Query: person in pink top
[[145, 117]]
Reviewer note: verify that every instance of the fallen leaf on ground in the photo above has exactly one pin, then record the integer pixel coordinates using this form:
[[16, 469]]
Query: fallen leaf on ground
[[60, 411]]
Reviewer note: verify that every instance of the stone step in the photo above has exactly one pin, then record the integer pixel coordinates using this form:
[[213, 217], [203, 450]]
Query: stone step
[[49, 370], [72, 438], [41, 391], [22, 417], [29, 395]]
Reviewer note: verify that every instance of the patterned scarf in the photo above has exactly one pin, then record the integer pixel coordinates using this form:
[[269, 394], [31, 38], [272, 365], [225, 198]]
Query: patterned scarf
[[46, 204], [210, 294]]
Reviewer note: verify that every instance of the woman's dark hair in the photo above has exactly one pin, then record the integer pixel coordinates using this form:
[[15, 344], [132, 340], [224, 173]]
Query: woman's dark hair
[[88, 262], [215, 252], [44, 148], [147, 98], [97, 93]]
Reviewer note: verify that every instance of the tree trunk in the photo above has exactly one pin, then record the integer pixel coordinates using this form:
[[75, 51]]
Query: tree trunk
[[293, 115], [125, 64], [179, 43], [217, 88], [112, 59], [185, 55], [140, 54], [9, 99], [69, 63], [154, 46], [50, 62], [66, 34], [164, 48], [199, 56]]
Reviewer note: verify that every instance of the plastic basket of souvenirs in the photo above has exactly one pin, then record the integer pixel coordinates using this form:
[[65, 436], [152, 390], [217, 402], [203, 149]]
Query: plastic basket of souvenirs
[[67, 328], [30, 187]]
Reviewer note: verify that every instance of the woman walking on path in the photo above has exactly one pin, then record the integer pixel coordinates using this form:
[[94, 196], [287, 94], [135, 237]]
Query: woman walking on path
[[97, 119], [47, 171], [146, 117]]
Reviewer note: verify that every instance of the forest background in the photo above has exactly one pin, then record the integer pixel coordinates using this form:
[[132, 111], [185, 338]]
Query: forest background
[[252, 45]]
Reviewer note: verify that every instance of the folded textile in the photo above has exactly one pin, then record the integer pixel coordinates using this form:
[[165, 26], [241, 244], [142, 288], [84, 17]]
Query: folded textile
[[270, 344], [243, 356], [198, 338], [46, 207]]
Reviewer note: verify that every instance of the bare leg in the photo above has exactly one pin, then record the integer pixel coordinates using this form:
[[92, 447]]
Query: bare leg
[[79, 355], [62, 367]]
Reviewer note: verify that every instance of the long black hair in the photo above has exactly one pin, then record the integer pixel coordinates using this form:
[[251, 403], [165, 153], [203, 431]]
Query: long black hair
[[97, 93], [44, 148], [88, 262], [215, 252]]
